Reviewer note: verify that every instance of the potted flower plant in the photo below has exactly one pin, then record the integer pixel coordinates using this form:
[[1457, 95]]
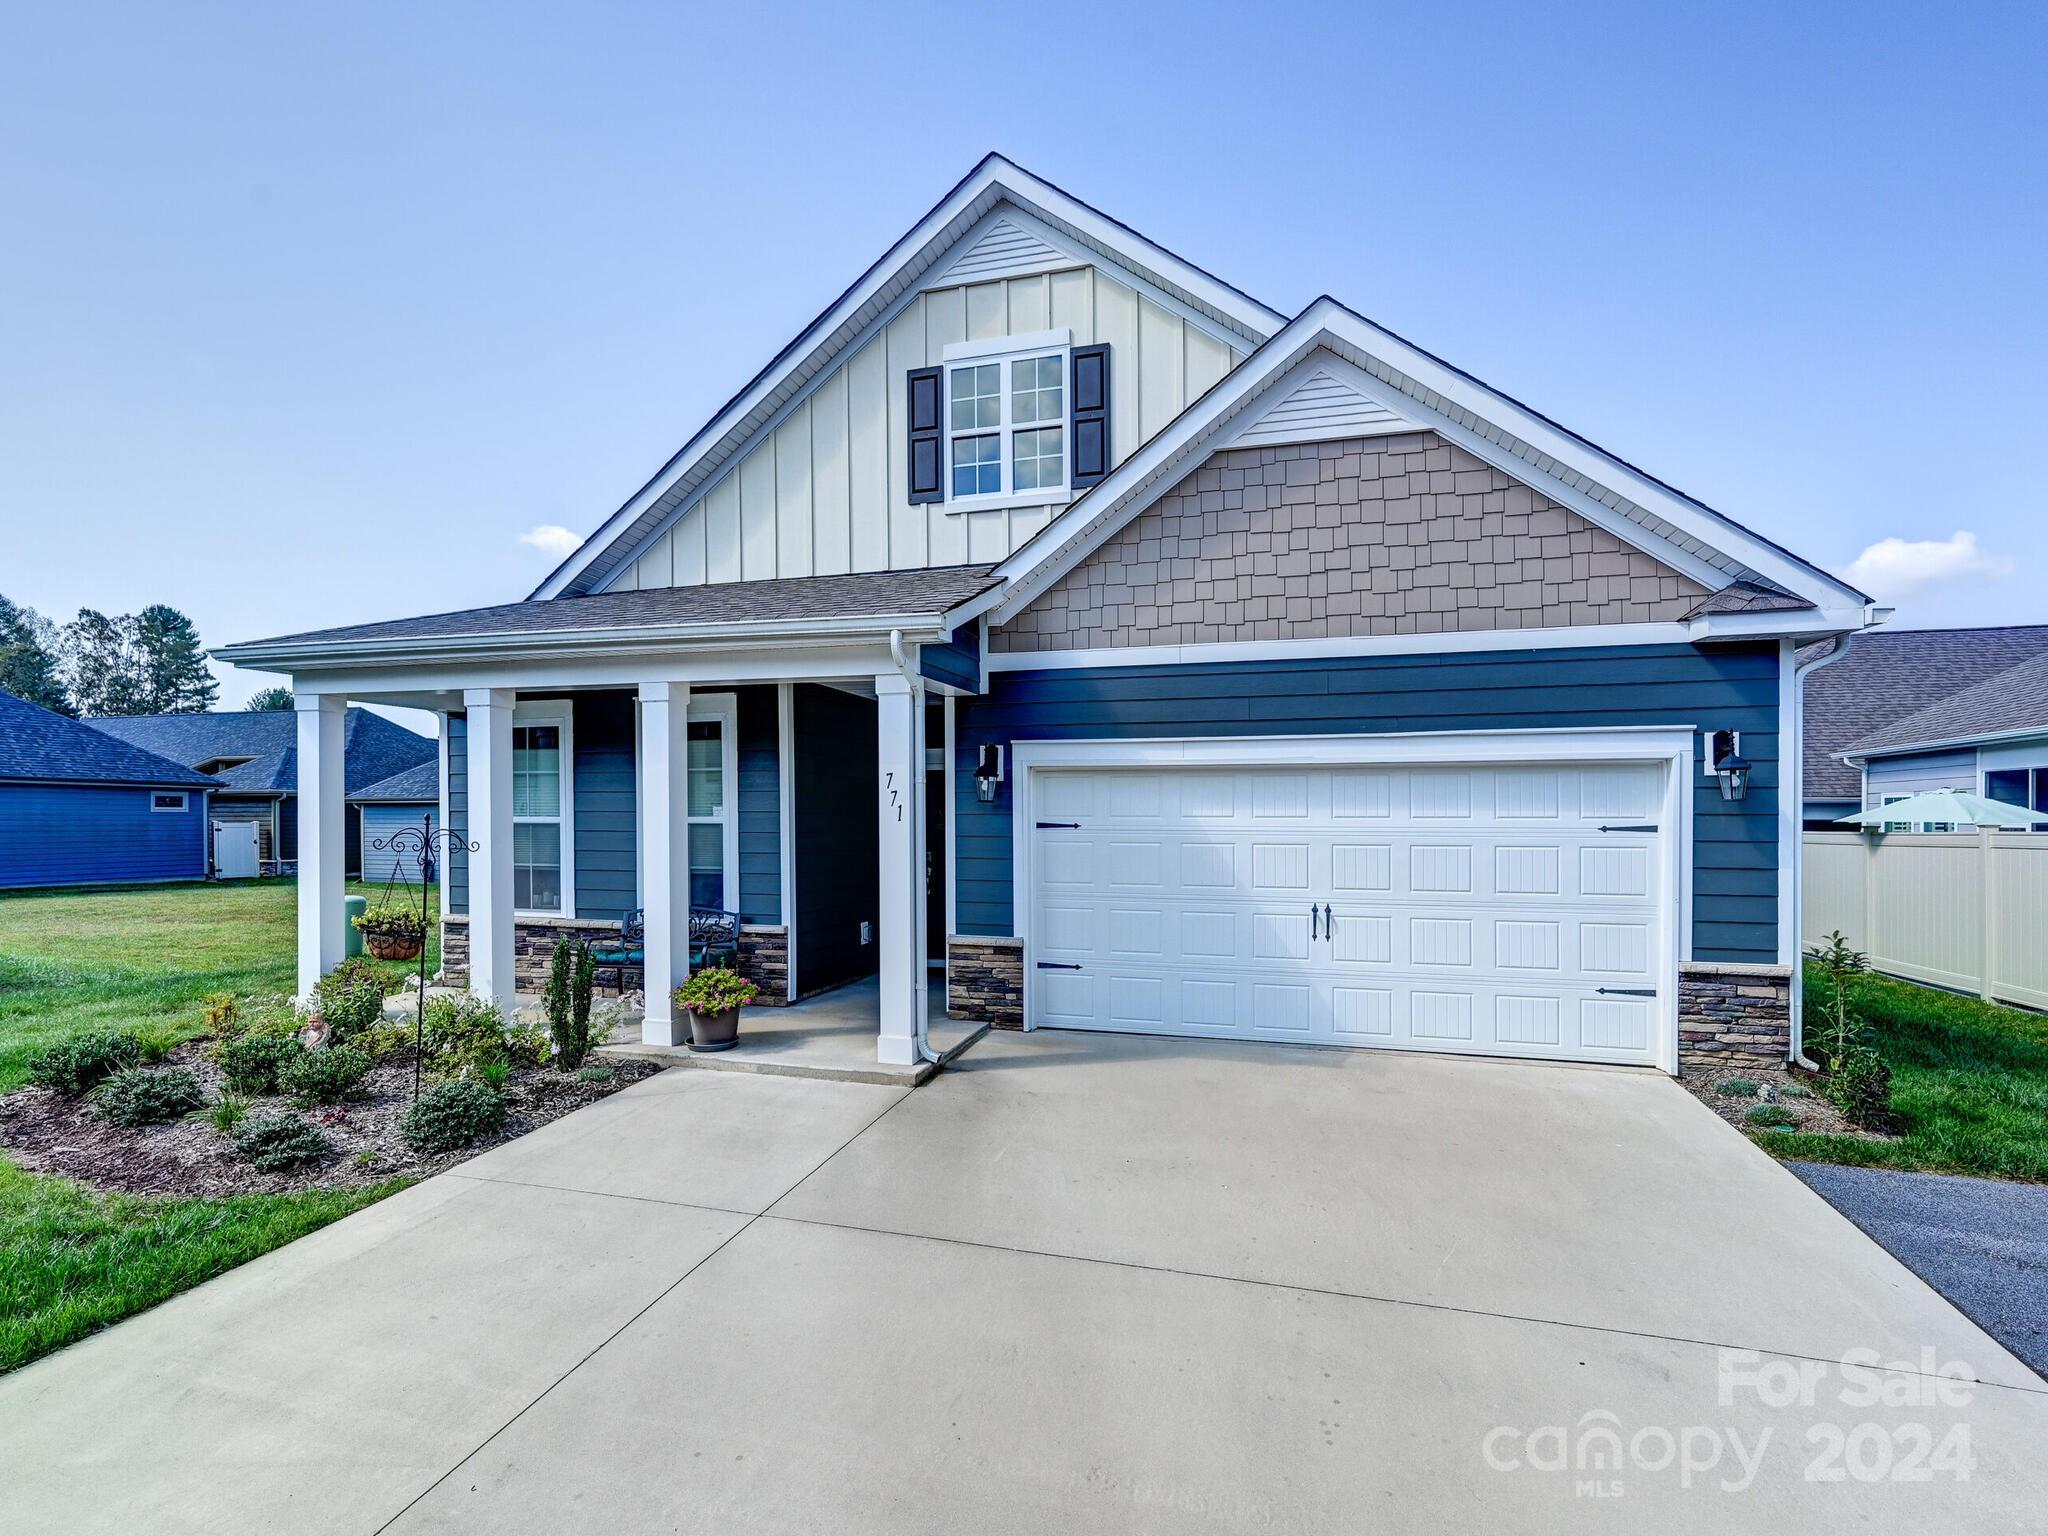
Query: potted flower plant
[[714, 997], [392, 932]]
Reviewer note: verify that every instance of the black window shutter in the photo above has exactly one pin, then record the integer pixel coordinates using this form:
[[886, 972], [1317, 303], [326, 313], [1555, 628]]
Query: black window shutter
[[927, 462], [1090, 369]]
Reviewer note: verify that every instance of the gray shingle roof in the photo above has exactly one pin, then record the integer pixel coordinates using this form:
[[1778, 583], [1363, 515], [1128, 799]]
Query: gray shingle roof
[[864, 595], [1890, 674], [373, 747], [1747, 597], [2013, 700], [37, 745], [420, 783]]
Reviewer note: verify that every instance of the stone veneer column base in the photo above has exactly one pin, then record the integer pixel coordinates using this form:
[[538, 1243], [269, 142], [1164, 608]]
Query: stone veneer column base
[[1734, 1015], [764, 955], [985, 980]]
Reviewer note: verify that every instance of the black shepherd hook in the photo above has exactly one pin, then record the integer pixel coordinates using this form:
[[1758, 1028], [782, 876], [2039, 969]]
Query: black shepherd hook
[[421, 842]]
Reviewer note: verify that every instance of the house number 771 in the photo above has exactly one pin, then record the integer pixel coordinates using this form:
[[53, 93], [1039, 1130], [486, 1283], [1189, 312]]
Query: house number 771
[[889, 783]]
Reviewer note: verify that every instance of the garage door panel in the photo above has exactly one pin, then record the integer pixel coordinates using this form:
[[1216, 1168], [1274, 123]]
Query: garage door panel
[[1469, 909]]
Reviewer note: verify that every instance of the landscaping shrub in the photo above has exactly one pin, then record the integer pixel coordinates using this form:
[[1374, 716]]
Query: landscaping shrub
[[279, 1143], [325, 1076], [148, 1096], [252, 1062], [156, 1042], [460, 1034], [1774, 1117], [494, 1075], [385, 1039], [223, 1014], [72, 1066], [1860, 1086], [351, 998], [230, 1111], [1736, 1087], [528, 1045], [571, 971], [451, 1115], [1834, 1024], [597, 1074]]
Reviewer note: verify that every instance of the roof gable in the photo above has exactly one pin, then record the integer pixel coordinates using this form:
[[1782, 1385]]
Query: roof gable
[[37, 744], [1421, 390], [1006, 219]]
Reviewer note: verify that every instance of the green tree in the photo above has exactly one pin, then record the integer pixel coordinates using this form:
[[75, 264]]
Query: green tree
[[171, 666], [99, 664], [270, 700], [28, 658]]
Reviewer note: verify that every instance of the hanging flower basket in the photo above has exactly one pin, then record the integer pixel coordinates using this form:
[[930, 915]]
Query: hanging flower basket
[[392, 933]]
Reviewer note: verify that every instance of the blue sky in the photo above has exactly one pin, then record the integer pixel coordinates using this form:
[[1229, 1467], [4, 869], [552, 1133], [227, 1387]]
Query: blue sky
[[313, 312]]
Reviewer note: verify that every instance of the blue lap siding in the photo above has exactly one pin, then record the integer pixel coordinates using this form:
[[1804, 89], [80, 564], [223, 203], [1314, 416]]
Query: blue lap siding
[[93, 834], [958, 661], [1735, 846]]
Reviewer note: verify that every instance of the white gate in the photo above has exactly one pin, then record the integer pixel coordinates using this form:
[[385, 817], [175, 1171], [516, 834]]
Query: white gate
[[234, 850]]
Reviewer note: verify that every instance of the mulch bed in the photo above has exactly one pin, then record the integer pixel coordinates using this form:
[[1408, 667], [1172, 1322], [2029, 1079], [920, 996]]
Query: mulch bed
[[48, 1133], [1813, 1113]]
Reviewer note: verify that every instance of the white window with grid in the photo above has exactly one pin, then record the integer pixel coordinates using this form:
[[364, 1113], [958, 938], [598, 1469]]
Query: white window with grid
[[543, 837], [1007, 421]]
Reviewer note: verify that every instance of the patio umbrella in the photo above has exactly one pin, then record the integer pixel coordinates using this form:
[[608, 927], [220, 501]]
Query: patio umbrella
[[1949, 805]]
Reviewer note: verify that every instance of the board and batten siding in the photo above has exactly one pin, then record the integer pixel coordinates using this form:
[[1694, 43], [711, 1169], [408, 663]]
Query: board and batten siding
[[1735, 846], [95, 834], [826, 491]]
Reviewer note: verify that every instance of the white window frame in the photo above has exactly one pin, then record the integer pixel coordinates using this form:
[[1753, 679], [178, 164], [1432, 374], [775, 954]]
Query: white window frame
[[179, 795], [562, 714], [724, 708], [1003, 351], [1912, 826]]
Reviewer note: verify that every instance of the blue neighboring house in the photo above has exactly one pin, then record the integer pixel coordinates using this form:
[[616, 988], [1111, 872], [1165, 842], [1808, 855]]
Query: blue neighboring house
[[80, 807], [254, 755]]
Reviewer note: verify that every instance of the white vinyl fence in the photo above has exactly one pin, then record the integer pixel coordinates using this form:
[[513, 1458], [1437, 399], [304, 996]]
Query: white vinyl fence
[[1957, 909]]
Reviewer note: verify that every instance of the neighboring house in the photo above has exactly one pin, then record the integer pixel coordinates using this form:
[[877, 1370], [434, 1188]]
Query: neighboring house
[[254, 754], [1280, 681], [81, 808], [407, 801], [1902, 711]]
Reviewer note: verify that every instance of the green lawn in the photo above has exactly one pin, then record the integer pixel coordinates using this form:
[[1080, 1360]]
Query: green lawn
[[1969, 1085], [74, 1260]]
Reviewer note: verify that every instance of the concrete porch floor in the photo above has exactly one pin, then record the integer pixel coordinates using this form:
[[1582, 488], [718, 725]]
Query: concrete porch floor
[[831, 1035]]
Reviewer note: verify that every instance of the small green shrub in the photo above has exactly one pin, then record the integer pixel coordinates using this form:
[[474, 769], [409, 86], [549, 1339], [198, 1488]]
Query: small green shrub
[[462, 1033], [156, 1042], [571, 971], [716, 989], [325, 1076], [223, 1014], [495, 1075], [1774, 1117], [73, 1066], [1860, 1086], [1736, 1087], [392, 918], [148, 1096], [385, 1039], [597, 1074], [351, 998], [279, 1143], [252, 1062], [1796, 1091], [230, 1111], [451, 1115], [273, 1016]]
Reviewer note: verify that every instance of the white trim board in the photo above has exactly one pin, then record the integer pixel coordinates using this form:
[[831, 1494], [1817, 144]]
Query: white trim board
[[1671, 746]]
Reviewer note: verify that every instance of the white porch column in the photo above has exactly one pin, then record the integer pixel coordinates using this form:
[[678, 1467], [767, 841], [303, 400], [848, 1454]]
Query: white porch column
[[665, 855], [322, 842], [489, 741], [899, 730]]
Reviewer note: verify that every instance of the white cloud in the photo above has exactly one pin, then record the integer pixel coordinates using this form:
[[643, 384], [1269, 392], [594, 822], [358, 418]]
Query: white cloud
[[1895, 569], [553, 539]]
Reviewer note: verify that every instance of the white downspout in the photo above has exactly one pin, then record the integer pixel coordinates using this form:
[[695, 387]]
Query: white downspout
[[1796, 755], [896, 654]]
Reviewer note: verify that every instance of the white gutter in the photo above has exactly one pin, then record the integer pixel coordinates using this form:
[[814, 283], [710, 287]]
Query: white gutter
[[897, 655], [1796, 755]]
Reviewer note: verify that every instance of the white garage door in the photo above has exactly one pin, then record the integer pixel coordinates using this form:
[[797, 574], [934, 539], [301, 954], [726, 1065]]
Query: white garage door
[[1501, 910]]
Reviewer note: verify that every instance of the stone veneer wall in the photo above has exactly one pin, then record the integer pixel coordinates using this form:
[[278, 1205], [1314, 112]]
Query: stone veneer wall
[[1395, 535], [1734, 1015], [764, 955], [985, 980]]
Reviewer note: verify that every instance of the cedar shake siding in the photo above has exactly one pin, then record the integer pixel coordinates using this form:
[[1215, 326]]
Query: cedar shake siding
[[1397, 535]]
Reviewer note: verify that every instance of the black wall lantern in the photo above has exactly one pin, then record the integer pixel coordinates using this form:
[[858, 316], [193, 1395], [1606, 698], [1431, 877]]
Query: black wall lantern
[[988, 771], [1724, 753]]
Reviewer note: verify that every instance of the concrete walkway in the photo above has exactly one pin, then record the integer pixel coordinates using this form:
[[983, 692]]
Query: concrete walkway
[[1983, 1243], [1075, 1284]]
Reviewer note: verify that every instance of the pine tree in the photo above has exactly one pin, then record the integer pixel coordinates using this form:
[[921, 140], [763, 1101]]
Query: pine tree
[[28, 658], [100, 665], [171, 665], [268, 700]]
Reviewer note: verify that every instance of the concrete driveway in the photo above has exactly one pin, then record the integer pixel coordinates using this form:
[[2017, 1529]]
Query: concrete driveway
[[1075, 1284]]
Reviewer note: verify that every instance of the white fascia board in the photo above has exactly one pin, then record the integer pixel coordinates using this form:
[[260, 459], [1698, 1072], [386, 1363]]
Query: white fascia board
[[995, 179], [1942, 744]]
